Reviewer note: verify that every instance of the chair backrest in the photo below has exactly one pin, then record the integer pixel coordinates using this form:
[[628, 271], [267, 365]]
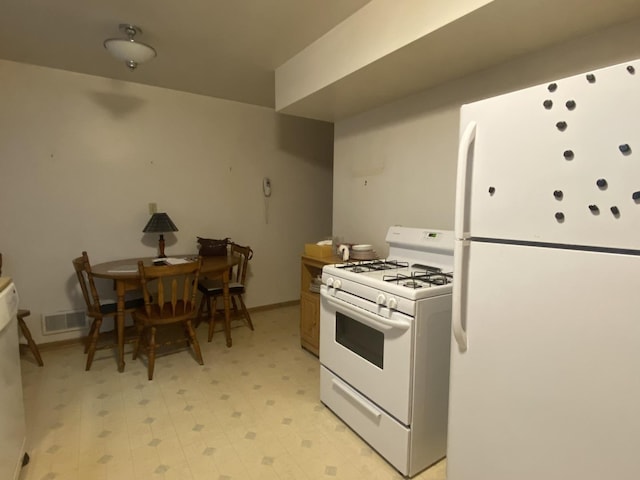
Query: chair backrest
[[175, 291], [87, 285], [247, 254]]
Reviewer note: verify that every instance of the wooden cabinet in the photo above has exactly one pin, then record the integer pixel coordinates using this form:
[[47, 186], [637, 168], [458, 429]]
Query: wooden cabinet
[[311, 267], [310, 321]]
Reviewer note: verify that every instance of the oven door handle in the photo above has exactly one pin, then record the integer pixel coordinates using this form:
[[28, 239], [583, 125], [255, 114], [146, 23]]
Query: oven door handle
[[368, 318]]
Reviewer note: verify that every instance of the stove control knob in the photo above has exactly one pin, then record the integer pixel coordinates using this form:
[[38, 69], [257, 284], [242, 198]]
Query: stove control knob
[[337, 283], [381, 299], [392, 303], [329, 282]]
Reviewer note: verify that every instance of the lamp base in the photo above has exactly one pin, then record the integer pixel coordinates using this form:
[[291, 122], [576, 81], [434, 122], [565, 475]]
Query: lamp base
[[161, 247]]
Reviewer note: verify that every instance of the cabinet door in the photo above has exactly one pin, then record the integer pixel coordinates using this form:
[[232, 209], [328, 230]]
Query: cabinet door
[[310, 321]]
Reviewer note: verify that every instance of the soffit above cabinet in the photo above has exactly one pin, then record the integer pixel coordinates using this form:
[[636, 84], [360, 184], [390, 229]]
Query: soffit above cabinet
[[490, 33]]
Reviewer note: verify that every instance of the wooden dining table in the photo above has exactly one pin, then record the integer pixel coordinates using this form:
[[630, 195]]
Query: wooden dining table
[[125, 276]]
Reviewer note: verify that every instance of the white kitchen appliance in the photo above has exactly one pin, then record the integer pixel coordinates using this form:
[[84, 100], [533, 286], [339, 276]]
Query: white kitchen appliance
[[385, 336], [545, 361], [12, 422]]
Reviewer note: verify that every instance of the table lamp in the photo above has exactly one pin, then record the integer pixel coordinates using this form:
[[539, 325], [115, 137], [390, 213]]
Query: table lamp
[[160, 223]]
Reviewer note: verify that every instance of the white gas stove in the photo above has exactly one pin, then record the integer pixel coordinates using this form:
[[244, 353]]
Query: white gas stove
[[385, 334], [419, 265]]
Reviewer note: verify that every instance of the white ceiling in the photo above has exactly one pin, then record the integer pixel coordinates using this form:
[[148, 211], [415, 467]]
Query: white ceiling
[[220, 48]]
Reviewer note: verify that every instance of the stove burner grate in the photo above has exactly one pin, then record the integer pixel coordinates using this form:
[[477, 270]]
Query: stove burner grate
[[373, 265], [419, 279]]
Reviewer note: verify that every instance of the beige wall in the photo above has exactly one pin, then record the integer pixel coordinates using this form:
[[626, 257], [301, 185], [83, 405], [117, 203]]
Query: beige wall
[[396, 165], [81, 157], [376, 30]]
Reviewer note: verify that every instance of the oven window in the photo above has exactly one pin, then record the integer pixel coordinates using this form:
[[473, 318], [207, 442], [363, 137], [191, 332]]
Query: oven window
[[360, 339]]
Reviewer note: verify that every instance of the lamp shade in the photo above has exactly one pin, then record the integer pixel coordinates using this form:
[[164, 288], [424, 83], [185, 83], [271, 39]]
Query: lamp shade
[[160, 222]]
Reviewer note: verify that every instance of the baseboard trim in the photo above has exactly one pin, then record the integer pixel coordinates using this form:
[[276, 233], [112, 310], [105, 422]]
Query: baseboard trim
[[81, 340], [60, 343], [273, 306]]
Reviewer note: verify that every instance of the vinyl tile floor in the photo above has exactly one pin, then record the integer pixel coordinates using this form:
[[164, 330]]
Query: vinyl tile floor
[[251, 412]]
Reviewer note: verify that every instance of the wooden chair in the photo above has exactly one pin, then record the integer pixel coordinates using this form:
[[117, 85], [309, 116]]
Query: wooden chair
[[33, 346], [98, 310], [173, 302], [211, 289], [22, 314]]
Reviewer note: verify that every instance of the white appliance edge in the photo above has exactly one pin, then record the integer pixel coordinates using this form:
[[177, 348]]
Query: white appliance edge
[[544, 359], [384, 349], [419, 440], [12, 420]]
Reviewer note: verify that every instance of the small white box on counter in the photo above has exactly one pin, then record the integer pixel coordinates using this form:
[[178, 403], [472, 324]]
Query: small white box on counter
[[314, 250]]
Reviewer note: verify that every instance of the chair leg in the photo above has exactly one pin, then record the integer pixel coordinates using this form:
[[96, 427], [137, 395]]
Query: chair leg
[[194, 341], [140, 333], [93, 342], [201, 308], [91, 332], [245, 312], [27, 334], [151, 357], [234, 304], [212, 317], [187, 342]]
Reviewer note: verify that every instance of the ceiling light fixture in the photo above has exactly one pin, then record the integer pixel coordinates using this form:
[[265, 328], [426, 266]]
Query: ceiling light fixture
[[127, 49]]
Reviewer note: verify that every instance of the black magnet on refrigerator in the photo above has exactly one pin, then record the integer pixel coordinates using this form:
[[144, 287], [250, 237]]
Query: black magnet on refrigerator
[[616, 211], [568, 154], [631, 70], [558, 194], [547, 104], [594, 209], [601, 183], [562, 126], [571, 104], [591, 78], [625, 148], [635, 196], [559, 217]]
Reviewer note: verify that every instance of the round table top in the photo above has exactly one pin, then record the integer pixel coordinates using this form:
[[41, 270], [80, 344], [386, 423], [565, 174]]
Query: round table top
[[128, 268]]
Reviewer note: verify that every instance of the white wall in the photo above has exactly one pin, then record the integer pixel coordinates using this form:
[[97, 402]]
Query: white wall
[[396, 165], [81, 157]]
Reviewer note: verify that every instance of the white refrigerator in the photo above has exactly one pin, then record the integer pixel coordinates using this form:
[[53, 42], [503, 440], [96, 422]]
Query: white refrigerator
[[12, 421], [545, 359]]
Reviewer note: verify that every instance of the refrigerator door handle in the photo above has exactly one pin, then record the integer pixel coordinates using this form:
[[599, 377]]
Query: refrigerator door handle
[[458, 320], [467, 138]]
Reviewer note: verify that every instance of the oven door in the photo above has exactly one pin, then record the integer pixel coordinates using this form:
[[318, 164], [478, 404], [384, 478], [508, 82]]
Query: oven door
[[370, 348]]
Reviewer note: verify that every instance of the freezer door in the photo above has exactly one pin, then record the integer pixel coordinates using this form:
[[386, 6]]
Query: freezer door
[[557, 163], [548, 386]]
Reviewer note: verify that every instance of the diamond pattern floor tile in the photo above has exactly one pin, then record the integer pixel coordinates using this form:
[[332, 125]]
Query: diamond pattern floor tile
[[251, 412]]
